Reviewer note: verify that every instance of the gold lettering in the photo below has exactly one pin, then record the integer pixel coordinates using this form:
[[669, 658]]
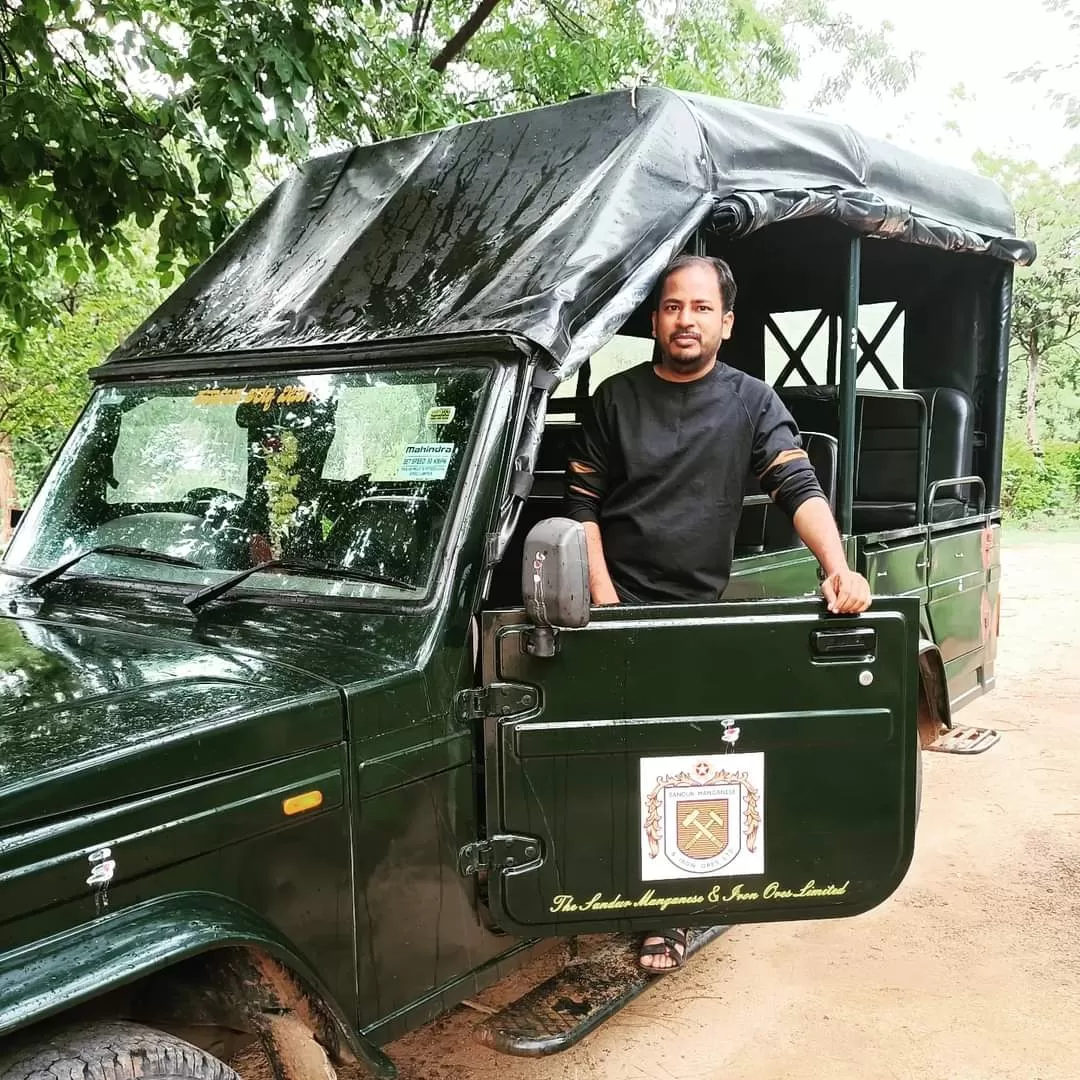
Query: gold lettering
[[737, 893], [567, 903], [291, 395]]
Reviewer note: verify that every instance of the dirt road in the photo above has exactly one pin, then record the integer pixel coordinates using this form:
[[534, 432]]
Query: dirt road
[[970, 972]]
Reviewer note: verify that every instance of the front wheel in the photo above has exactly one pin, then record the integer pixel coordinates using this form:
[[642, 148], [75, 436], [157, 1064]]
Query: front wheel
[[118, 1050]]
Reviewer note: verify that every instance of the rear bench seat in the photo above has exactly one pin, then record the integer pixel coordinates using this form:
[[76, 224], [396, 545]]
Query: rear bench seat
[[887, 444]]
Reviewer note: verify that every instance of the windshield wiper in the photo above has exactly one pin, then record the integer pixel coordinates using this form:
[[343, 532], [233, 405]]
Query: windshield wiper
[[36, 583], [292, 566]]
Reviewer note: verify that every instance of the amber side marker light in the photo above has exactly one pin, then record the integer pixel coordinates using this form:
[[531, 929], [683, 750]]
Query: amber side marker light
[[297, 804]]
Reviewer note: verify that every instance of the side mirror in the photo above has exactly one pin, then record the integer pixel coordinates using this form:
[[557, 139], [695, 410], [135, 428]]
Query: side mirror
[[555, 581]]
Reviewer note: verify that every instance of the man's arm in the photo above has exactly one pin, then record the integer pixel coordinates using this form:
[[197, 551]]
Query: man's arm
[[788, 478], [845, 591], [586, 487], [601, 588]]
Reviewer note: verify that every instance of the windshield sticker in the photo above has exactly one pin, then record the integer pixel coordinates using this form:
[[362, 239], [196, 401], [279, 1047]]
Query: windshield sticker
[[702, 816], [440, 414], [266, 396], [426, 461]]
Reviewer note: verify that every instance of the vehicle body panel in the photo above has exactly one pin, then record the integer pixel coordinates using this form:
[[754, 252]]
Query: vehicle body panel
[[640, 688]]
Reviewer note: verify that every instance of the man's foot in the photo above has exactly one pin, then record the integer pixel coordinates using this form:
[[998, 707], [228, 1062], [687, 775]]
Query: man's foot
[[663, 950]]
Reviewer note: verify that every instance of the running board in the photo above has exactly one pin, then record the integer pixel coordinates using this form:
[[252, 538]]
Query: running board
[[964, 740], [563, 1010]]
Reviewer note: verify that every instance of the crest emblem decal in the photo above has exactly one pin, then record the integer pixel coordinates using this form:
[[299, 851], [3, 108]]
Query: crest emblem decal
[[702, 816]]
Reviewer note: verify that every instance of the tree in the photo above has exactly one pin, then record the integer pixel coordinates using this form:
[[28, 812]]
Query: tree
[[1046, 308], [1061, 80], [154, 112], [43, 387]]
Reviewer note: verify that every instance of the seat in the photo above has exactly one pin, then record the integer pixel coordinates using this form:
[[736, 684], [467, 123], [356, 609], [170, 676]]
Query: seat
[[952, 422], [764, 526], [887, 444], [887, 471], [887, 447], [813, 408]]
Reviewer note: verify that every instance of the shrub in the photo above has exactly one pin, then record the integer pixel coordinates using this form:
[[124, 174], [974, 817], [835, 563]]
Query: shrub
[[1034, 485]]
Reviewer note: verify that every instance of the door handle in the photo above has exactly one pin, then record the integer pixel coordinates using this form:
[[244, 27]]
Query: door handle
[[859, 642]]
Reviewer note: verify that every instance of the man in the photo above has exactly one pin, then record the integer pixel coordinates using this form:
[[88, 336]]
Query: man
[[658, 475]]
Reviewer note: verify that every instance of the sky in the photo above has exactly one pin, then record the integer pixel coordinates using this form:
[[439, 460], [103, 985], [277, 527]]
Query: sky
[[976, 43]]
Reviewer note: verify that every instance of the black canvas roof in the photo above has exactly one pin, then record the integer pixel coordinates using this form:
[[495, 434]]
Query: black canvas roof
[[551, 224]]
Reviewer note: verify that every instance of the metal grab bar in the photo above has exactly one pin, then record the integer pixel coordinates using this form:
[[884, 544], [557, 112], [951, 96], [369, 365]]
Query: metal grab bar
[[954, 481]]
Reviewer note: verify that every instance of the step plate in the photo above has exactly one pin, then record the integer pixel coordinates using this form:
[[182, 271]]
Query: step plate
[[563, 1010], [964, 740]]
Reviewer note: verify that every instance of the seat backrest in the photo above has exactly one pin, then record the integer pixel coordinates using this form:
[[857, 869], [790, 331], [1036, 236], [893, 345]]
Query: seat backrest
[[824, 453], [813, 408], [952, 422], [889, 443], [556, 445]]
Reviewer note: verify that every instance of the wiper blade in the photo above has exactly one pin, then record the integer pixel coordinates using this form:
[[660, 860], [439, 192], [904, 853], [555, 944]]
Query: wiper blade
[[35, 584], [292, 566]]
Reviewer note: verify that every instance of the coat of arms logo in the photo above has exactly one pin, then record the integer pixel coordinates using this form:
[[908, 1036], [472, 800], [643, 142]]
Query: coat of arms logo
[[702, 816]]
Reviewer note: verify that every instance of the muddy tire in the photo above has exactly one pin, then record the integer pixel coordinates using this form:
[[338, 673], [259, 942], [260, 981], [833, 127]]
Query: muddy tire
[[119, 1051]]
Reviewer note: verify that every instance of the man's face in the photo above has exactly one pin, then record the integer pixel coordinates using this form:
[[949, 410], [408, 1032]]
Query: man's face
[[691, 321]]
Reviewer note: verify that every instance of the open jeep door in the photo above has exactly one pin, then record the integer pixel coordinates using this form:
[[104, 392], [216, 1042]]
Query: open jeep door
[[698, 765]]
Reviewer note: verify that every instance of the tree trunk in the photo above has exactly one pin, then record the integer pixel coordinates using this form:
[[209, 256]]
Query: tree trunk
[[1031, 394], [9, 497]]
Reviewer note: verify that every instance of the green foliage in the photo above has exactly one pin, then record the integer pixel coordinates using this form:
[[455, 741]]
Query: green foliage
[[154, 113], [1046, 308], [1040, 485], [131, 134], [44, 385], [281, 483]]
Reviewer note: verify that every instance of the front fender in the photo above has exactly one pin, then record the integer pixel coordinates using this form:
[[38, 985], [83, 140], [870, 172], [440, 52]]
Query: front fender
[[55, 974]]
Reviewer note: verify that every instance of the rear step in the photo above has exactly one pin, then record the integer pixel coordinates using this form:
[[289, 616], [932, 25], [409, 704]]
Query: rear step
[[964, 740], [563, 1010]]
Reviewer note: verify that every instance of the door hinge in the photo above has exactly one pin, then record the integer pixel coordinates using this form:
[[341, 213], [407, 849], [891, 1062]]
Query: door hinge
[[496, 699], [499, 853]]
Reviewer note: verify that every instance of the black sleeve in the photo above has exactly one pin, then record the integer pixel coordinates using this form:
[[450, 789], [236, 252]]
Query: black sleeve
[[589, 469], [774, 432]]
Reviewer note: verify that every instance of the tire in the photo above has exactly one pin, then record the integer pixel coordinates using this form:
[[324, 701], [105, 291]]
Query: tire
[[117, 1050]]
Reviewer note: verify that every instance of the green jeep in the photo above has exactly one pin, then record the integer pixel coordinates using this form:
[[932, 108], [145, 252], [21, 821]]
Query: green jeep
[[309, 729]]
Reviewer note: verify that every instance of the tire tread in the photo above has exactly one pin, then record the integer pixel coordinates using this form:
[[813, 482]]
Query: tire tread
[[116, 1050]]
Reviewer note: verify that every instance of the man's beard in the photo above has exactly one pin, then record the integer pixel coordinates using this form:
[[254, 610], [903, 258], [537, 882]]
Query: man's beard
[[687, 364]]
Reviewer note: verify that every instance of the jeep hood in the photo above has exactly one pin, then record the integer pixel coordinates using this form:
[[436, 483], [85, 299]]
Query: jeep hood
[[91, 715]]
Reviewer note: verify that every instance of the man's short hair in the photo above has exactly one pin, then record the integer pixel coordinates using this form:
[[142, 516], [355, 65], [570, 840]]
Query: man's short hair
[[724, 277]]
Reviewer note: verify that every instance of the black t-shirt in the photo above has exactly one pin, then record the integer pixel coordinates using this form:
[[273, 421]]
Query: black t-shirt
[[665, 467]]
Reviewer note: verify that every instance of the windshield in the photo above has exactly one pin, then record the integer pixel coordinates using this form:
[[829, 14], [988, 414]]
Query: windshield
[[355, 470]]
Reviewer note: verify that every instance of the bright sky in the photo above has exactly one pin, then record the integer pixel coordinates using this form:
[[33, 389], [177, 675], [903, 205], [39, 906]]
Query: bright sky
[[976, 43]]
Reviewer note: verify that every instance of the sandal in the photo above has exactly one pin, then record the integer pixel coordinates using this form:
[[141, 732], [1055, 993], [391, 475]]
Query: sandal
[[669, 947]]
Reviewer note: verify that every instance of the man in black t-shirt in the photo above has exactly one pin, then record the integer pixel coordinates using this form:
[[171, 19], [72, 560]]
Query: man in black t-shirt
[[658, 474]]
